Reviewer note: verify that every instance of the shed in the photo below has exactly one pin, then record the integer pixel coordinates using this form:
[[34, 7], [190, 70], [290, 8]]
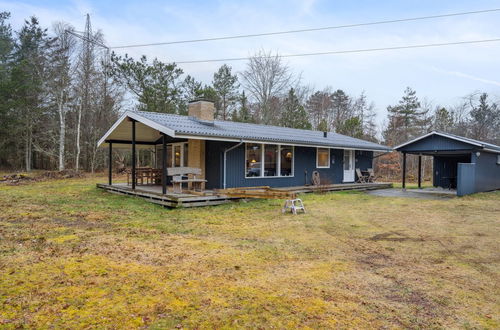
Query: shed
[[460, 163]]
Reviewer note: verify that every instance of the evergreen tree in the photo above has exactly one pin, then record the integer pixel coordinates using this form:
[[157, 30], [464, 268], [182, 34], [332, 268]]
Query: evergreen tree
[[243, 114], [226, 85], [351, 127], [442, 120], [404, 119], [29, 78], [485, 119], [7, 120], [294, 115], [156, 85], [323, 125]]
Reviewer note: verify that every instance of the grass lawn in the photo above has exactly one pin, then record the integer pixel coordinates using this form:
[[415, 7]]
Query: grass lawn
[[74, 256]]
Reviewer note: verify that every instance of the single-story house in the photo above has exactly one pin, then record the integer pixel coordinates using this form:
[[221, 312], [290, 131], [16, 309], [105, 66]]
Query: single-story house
[[460, 163], [233, 154]]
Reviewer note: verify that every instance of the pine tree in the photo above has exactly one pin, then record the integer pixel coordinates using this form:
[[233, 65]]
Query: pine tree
[[485, 119], [243, 114], [294, 115], [351, 127], [7, 120], [29, 78], [404, 119], [226, 85], [442, 120]]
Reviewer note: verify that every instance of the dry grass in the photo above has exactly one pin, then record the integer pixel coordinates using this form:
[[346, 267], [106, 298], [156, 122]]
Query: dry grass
[[72, 256]]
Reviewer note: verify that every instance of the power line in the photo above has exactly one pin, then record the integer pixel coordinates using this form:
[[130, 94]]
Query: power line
[[311, 29], [336, 52]]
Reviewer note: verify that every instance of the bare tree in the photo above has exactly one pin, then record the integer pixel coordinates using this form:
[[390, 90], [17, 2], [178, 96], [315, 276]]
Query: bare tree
[[265, 78], [62, 72]]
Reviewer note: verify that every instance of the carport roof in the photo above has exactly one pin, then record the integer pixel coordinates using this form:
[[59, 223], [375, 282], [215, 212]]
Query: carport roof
[[472, 142], [178, 126]]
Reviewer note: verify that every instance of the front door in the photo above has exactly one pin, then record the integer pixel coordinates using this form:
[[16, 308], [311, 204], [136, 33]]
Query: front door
[[348, 166]]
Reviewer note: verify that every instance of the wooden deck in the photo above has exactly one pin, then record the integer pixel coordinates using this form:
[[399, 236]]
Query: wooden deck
[[153, 193]]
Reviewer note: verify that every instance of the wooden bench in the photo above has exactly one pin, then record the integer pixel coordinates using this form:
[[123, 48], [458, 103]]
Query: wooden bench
[[179, 175]]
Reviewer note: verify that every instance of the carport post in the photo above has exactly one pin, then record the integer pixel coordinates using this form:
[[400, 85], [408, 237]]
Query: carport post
[[164, 166], [420, 171], [404, 170], [133, 154], [110, 160]]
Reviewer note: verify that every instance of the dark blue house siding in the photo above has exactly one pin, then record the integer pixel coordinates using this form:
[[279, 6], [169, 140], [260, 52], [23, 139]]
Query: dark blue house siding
[[487, 176], [436, 143], [304, 165], [445, 168]]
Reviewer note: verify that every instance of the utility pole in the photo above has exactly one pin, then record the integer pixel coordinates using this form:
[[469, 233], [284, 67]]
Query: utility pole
[[86, 62]]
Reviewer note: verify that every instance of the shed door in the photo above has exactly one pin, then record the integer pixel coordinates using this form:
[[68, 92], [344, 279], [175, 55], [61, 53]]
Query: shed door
[[348, 166]]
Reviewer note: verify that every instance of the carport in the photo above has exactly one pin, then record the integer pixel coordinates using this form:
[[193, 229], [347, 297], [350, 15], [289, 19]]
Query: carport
[[460, 163]]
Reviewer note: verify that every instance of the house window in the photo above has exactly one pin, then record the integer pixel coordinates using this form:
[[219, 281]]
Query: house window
[[323, 158], [271, 160], [253, 159], [286, 161], [268, 160]]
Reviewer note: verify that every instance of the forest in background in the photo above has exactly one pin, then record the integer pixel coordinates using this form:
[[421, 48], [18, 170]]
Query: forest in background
[[60, 91]]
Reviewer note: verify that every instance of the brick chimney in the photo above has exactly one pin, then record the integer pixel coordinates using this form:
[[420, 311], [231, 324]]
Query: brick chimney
[[201, 109]]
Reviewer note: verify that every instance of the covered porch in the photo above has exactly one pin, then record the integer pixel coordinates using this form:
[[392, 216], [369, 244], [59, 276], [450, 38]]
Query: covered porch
[[175, 165]]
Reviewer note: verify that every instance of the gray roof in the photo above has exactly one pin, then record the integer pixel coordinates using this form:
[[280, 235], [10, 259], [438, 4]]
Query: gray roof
[[484, 144], [189, 126], [477, 143]]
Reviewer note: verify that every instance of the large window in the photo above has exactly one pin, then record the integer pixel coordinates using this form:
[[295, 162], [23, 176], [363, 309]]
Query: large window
[[322, 157], [286, 161], [253, 160], [268, 160]]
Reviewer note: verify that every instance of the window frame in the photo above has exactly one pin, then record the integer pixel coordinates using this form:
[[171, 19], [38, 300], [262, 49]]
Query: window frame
[[317, 157], [182, 151], [262, 165]]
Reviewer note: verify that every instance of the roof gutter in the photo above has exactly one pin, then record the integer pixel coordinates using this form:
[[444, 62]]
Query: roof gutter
[[225, 160]]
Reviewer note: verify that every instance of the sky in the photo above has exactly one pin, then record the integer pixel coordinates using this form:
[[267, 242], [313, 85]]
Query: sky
[[439, 75]]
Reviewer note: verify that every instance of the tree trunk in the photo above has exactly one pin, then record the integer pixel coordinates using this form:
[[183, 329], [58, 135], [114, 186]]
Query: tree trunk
[[78, 126], [62, 133], [28, 147]]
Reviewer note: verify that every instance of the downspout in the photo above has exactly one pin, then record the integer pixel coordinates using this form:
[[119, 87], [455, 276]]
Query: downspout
[[225, 160]]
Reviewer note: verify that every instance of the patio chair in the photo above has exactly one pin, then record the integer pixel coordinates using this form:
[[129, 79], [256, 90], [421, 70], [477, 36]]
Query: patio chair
[[371, 175], [361, 177]]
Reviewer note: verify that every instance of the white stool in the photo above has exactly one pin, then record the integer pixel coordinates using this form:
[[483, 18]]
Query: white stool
[[293, 205]]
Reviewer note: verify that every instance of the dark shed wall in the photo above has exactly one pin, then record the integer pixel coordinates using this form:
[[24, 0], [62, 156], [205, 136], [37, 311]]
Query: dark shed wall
[[436, 142], [445, 167], [487, 171], [305, 160]]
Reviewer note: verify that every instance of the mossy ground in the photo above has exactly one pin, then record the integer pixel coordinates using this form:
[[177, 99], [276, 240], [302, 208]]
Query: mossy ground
[[73, 256]]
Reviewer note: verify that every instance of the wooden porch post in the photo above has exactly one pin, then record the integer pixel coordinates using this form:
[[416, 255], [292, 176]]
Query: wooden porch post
[[133, 154], [164, 166], [110, 160], [420, 171], [404, 170]]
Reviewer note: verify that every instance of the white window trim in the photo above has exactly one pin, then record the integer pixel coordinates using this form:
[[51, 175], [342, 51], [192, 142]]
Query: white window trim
[[329, 157], [172, 156], [262, 162]]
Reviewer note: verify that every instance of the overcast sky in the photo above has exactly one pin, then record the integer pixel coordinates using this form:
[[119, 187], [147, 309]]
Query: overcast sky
[[442, 75]]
